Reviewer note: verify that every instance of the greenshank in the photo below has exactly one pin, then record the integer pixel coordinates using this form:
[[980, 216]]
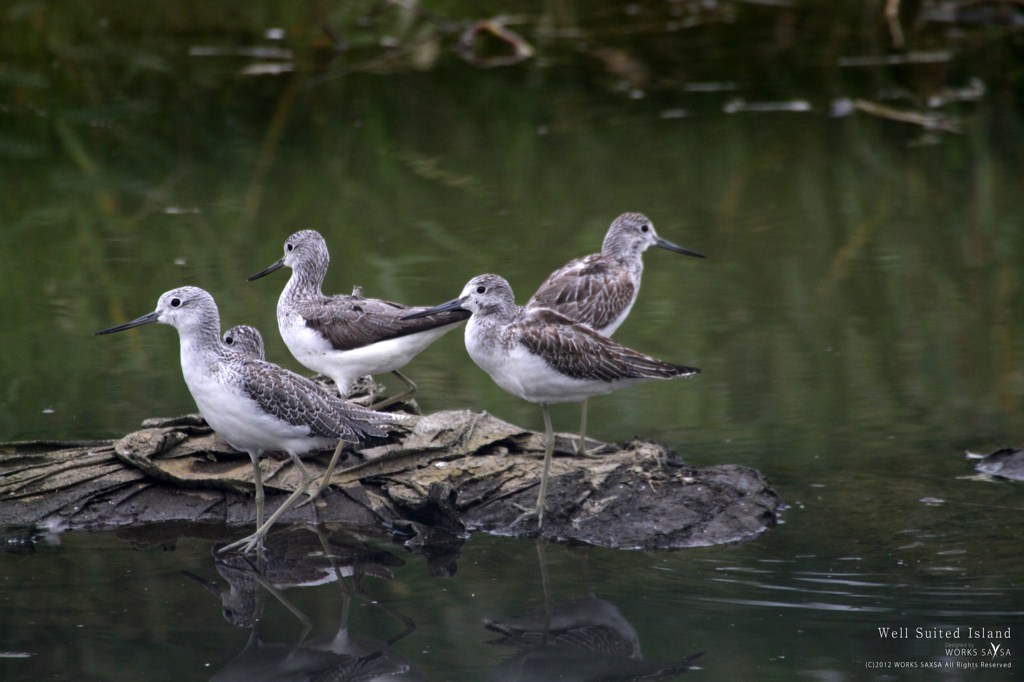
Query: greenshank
[[544, 357], [245, 340], [599, 290], [256, 406], [346, 337]]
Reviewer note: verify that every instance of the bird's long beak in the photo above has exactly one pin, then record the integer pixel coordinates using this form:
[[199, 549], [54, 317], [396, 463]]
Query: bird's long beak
[[454, 304], [208, 585], [145, 319], [666, 244], [276, 266]]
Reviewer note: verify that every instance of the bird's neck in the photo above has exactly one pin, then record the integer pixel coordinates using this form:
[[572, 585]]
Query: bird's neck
[[622, 252], [201, 344], [488, 321], [306, 281]]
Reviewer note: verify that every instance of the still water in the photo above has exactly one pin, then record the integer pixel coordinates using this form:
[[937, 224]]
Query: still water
[[858, 319]]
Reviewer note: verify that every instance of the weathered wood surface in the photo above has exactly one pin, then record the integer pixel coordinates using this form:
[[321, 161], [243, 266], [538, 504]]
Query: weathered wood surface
[[178, 470]]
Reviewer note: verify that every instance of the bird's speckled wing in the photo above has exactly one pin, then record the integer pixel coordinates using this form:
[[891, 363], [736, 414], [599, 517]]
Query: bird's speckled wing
[[350, 322], [589, 291], [300, 402], [580, 353]]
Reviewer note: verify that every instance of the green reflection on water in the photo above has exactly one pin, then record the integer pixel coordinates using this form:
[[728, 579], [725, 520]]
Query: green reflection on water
[[95, 607]]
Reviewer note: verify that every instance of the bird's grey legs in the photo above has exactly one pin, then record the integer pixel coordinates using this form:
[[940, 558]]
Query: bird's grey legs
[[549, 447], [257, 477], [257, 537], [326, 479], [410, 390], [581, 448], [302, 468]]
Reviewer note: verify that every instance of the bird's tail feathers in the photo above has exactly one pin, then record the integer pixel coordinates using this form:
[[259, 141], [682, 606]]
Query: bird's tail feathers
[[374, 417], [645, 366], [683, 371]]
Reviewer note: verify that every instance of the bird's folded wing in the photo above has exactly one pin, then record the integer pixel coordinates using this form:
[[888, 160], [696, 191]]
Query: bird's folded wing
[[586, 291], [350, 322], [300, 402], [579, 353]]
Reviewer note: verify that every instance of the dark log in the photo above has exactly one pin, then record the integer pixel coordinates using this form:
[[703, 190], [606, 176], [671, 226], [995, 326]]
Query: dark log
[[177, 470]]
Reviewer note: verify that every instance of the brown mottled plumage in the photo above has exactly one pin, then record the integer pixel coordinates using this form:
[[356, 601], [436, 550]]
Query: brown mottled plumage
[[298, 401], [581, 353], [588, 290]]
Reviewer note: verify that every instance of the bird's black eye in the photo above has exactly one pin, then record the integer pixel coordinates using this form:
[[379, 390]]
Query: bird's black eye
[[645, 228], [481, 289], [229, 340], [289, 247], [175, 302]]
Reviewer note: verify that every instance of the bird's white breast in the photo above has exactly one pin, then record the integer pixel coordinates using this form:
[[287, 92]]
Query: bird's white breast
[[239, 419], [307, 345], [345, 366]]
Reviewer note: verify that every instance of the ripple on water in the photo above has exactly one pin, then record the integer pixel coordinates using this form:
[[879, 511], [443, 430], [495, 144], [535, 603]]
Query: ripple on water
[[827, 585]]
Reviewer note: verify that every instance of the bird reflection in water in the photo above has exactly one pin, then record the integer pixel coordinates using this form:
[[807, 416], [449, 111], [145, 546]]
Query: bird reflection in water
[[301, 557], [576, 640]]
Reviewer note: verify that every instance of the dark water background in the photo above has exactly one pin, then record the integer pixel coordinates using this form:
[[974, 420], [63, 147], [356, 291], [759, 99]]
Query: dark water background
[[858, 319]]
